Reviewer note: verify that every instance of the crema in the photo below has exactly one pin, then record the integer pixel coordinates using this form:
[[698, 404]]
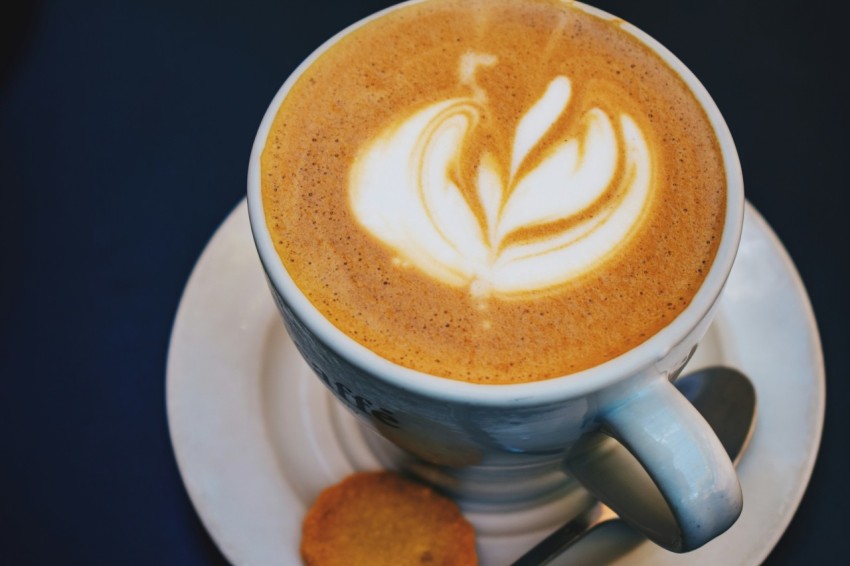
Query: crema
[[494, 191]]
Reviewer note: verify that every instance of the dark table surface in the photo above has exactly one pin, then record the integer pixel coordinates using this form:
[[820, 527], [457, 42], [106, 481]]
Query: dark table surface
[[125, 129]]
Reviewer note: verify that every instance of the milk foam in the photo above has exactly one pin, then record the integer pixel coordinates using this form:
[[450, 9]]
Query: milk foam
[[494, 191], [403, 191]]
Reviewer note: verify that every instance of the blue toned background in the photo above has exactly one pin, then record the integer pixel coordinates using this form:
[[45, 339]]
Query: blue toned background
[[125, 130]]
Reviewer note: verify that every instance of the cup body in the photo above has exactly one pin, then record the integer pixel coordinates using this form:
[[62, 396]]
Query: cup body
[[523, 430]]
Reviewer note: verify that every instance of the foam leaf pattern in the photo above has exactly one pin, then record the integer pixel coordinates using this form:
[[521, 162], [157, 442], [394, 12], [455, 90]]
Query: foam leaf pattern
[[400, 191], [573, 252], [539, 118], [567, 181], [403, 191]]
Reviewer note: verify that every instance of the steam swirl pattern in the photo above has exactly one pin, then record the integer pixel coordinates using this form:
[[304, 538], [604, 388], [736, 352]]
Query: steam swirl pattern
[[402, 190]]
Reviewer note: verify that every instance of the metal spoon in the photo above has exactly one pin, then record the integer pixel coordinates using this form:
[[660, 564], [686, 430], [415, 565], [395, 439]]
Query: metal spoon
[[724, 397]]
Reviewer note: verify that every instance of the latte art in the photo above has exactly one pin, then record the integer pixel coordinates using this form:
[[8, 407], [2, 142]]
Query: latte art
[[495, 191], [403, 190]]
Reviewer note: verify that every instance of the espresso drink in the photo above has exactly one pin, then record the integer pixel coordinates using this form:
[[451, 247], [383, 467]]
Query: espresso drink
[[494, 191]]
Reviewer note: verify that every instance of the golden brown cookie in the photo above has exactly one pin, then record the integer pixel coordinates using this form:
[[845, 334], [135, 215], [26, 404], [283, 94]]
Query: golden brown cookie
[[380, 518]]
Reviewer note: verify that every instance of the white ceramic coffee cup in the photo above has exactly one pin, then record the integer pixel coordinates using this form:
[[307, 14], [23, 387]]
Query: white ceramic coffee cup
[[513, 435]]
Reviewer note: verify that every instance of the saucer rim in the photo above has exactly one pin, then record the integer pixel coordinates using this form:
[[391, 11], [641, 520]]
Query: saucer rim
[[187, 442]]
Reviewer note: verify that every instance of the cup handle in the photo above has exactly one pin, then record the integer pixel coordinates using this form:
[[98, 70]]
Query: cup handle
[[675, 483]]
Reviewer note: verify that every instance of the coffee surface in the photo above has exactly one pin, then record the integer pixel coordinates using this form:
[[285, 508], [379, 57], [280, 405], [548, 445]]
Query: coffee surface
[[498, 191]]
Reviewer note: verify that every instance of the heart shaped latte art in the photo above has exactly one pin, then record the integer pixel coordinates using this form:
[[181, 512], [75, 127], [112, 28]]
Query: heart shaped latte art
[[404, 192]]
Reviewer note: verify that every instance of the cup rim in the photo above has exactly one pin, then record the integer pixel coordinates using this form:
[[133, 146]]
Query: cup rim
[[567, 386]]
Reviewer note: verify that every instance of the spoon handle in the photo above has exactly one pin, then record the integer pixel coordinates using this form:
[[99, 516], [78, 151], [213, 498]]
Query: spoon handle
[[567, 535]]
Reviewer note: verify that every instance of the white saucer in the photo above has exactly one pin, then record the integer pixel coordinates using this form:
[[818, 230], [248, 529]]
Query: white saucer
[[257, 436]]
